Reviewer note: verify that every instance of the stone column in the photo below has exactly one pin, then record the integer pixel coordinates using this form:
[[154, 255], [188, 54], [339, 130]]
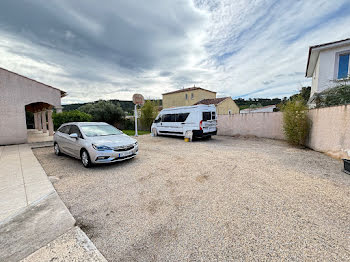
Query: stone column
[[49, 119], [39, 121], [43, 121], [58, 109], [35, 120]]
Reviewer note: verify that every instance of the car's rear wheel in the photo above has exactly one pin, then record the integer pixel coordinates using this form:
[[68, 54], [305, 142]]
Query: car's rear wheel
[[85, 159], [57, 149]]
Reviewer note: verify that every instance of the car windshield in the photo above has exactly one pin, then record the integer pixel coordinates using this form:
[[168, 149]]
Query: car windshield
[[100, 130]]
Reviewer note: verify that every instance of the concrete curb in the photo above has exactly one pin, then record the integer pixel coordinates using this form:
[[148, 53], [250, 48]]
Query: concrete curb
[[74, 245], [35, 226]]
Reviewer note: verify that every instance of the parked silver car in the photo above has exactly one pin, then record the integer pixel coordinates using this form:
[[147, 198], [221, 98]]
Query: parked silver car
[[94, 142]]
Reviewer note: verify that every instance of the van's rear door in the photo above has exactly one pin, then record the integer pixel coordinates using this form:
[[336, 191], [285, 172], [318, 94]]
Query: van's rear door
[[209, 121]]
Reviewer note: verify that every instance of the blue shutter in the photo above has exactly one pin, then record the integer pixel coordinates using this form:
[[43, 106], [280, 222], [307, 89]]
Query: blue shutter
[[343, 68]]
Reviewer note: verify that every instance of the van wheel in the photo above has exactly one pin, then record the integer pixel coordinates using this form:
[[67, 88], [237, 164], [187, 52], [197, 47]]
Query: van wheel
[[85, 159], [154, 132], [57, 149]]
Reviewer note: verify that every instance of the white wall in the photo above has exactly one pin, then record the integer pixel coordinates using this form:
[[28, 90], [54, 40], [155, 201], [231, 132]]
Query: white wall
[[15, 93], [330, 128], [328, 66]]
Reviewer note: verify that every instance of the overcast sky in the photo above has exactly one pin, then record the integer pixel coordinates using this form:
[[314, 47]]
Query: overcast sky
[[111, 49]]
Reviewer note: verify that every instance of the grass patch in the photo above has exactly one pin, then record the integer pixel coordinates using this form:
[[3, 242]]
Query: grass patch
[[132, 132]]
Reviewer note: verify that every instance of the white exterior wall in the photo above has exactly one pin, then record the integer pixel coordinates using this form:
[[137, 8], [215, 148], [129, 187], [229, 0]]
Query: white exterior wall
[[314, 86], [15, 93], [327, 70]]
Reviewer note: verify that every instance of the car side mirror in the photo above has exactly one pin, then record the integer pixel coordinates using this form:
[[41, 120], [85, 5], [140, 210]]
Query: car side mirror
[[73, 135]]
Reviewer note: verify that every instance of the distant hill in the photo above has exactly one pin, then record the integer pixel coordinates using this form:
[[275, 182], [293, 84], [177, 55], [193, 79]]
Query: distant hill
[[127, 106]]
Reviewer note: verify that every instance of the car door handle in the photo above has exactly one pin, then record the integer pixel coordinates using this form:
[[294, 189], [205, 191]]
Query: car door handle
[[182, 123]]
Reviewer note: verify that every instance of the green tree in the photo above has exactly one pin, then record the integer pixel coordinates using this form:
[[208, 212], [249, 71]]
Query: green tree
[[104, 111], [295, 121], [70, 116], [148, 114]]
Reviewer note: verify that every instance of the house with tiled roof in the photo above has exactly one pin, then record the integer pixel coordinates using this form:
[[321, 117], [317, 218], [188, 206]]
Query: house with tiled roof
[[224, 105], [186, 96], [199, 96], [329, 65]]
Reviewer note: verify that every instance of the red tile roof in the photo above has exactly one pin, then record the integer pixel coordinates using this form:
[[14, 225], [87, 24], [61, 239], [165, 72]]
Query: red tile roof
[[188, 89], [212, 101]]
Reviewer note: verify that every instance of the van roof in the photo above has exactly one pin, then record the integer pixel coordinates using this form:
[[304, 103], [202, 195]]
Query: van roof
[[189, 107]]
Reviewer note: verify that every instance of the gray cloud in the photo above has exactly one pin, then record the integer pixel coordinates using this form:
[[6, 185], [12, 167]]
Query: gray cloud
[[114, 48]]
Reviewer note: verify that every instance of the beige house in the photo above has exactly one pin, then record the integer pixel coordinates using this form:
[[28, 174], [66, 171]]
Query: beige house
[[19, 94], [224, 105], [186, 97]]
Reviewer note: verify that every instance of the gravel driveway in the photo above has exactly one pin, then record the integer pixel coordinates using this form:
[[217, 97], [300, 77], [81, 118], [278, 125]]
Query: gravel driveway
[[215, 200]]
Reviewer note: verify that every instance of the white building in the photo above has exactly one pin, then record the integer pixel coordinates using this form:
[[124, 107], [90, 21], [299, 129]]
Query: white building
[[327, 65], [19, 94]]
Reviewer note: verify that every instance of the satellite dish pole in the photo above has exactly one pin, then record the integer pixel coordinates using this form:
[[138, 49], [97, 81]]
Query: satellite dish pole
[[137, 100]]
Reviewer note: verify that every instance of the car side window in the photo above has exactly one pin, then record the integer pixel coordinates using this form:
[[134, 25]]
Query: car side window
[[64, 129], [74, 129]]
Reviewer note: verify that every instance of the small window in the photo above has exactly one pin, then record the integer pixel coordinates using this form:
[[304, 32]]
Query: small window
[[181, 117], [168, 118], [206, 116], [213, 115], [186, 96], [343, 69], [192, 95], [74, 129]]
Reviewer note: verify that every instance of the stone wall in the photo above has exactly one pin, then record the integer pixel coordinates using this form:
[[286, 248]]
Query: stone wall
[[330, 128]]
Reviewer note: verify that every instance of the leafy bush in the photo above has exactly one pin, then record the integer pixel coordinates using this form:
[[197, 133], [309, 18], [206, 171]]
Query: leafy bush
[[295, 121], [148, 114], [104, 111], [70, 116], [339, 95]]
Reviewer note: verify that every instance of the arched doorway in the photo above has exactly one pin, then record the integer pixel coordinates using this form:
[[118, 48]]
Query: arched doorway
[[39, 122]]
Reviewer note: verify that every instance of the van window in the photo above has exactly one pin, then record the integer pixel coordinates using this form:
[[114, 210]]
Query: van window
[[206, 116], [168, 118], [213, 115], [181, 117], [157, 120]]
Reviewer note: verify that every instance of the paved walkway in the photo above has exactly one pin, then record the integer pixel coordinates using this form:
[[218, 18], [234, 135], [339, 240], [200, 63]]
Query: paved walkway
[[34, 222], [22, 180], [35, 136]]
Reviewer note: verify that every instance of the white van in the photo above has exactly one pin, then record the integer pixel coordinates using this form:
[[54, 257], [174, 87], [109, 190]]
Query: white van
[[189, 121]]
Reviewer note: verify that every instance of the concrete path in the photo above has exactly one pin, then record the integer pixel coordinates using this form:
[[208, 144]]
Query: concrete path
[[71, 246], [33, 216], [22, 180], [35, 136]]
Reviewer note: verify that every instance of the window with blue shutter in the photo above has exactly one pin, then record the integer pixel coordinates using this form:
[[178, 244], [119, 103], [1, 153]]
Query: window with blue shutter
[[343, 69]]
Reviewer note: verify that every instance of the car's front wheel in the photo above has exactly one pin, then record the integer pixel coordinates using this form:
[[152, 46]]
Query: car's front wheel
[[85, 159], [154, 132], [57, 150]]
